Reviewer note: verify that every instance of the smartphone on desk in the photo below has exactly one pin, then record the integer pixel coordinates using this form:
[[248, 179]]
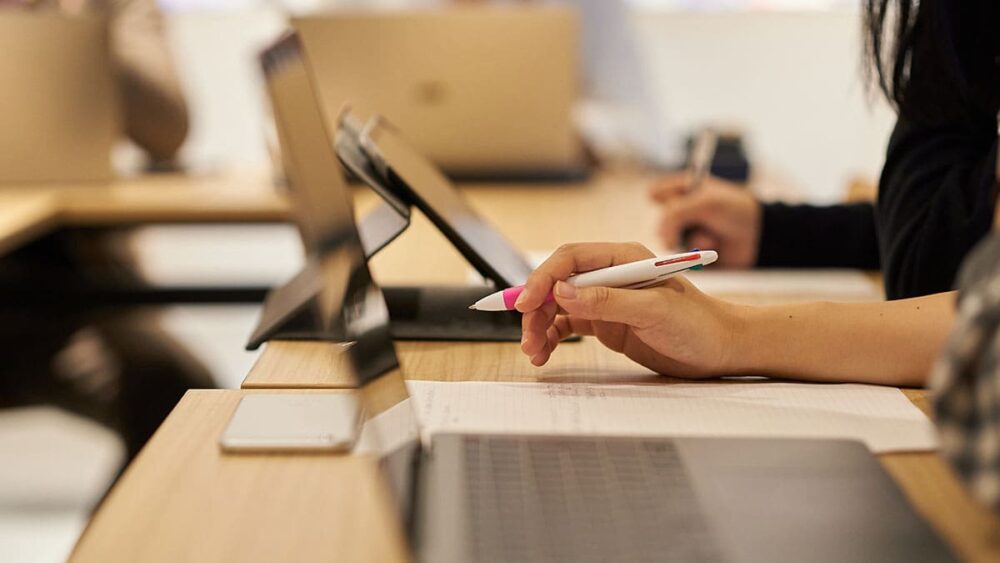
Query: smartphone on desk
[[293, 422]]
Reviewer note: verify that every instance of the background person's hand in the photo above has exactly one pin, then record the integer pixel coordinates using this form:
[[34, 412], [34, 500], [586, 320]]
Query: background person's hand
[[673, 329], [719, 215]]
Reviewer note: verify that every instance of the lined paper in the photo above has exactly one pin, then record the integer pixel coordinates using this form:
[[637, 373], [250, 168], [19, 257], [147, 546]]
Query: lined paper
[[881, 417]]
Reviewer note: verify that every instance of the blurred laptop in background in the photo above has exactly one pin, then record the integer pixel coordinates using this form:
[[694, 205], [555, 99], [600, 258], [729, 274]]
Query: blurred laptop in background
[[485, 92], [59, 109]]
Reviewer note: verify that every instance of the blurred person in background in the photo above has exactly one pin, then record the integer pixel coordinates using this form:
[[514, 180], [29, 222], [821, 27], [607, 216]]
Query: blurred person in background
[[154, 109], [938, 63], [59, 345]]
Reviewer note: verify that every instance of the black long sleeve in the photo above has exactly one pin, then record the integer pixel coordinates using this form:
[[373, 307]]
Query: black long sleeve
[[936, 200], [809, 236]]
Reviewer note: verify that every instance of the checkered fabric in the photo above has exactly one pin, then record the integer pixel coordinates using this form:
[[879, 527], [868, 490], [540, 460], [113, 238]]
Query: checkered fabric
[[966, 378]]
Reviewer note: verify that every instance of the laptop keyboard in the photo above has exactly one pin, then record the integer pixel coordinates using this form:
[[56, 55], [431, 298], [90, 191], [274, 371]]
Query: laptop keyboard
[[578, 499]]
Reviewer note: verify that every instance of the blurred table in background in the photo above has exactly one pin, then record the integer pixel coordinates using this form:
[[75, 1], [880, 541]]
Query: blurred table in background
[[23, 217], [32, 210]]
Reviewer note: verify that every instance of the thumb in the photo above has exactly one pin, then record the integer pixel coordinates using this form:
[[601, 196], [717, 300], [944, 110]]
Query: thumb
[[669, 187], [626, 306]]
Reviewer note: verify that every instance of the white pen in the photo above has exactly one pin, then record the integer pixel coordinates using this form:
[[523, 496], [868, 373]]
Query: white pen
[[702, 155], [634, 275]]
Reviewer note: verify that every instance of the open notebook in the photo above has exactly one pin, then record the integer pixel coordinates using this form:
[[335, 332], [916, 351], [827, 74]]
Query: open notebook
[[881, 417]]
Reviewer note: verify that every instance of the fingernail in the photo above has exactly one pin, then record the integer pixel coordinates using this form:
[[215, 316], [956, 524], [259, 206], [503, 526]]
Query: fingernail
[[521, 298], [536, 359], [565, 290]]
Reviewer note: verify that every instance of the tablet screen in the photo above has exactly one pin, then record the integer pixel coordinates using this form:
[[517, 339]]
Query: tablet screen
[[428, 188]]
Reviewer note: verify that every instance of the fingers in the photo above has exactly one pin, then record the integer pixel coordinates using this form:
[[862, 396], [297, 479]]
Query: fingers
[[542, 329], [636, 308], [682, 214], [669, 187], [534, 328], [562, 328], [694, 209], [552, 340], [571, 259]]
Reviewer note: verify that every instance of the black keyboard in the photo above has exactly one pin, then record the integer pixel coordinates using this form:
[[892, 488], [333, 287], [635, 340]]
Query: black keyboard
[[442, 313], [579, 499]]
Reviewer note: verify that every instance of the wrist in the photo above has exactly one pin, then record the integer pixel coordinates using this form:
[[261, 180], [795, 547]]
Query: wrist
[[737, 342], [751, 350]]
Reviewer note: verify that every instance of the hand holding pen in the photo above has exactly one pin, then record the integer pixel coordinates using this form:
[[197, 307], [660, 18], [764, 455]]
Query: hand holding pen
[[670, 328], [707, 212], [631, 275]]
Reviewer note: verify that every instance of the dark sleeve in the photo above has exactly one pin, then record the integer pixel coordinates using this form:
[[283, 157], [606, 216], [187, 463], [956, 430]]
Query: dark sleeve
[[809, 236], [936, 201]]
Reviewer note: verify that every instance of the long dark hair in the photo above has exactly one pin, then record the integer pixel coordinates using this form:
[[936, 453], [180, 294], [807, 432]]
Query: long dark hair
[[935, 60]]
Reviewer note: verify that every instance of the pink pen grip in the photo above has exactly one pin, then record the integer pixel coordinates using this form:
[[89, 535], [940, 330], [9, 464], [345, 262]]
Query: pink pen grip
[[511, 294]]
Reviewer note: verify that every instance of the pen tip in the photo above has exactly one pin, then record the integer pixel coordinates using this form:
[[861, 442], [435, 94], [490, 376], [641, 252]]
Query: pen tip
[[472, 307]]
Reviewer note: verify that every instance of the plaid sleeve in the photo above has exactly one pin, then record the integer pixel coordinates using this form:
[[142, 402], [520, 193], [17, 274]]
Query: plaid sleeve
[[966, 378]]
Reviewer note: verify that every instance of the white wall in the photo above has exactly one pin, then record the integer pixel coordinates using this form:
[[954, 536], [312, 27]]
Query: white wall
[[791, 80], [216, 53]]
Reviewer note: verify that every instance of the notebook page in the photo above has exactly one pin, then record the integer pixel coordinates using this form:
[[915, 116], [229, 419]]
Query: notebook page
[[881, 417]]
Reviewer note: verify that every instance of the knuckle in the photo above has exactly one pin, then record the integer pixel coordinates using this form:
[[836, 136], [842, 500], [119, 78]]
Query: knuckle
[[600, 297], [638, 249], [714, 204], [668, 220]]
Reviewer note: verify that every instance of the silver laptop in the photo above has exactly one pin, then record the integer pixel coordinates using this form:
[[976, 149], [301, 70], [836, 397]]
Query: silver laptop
[[522, 498], [59, 115], [484, 92]]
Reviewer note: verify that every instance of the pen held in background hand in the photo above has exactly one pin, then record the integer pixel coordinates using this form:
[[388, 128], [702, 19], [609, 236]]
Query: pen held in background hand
[[702, 155], [634, 275], [700, 166]]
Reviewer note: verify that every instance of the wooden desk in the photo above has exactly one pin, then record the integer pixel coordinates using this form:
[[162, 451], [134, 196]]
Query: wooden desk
[[30, 211], [311, 365], [24, 217], [243, 197], [182, 499]]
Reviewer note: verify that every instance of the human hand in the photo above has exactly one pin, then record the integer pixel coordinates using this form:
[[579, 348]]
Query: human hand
[[673, 329], [720, 215]]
